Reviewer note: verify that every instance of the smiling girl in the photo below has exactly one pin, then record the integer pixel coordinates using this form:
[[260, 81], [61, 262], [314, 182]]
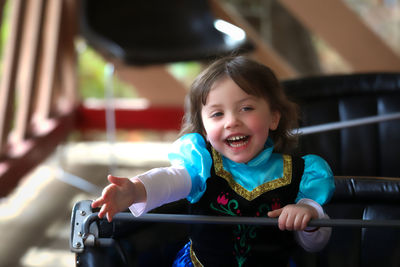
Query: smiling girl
[[231, 161]]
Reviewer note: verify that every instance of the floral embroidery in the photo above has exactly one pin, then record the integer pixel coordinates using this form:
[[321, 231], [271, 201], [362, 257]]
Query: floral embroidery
[[222, 200], [263, 210], [242, 233], [226, 206], [275, 204]]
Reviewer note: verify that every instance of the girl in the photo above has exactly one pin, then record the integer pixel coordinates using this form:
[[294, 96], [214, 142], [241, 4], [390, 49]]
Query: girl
[[229, 161]]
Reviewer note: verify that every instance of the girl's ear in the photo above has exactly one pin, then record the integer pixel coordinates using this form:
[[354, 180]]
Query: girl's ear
[[276, 116]]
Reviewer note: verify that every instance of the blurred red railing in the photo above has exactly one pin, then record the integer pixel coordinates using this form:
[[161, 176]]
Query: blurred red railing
[[38, 85]]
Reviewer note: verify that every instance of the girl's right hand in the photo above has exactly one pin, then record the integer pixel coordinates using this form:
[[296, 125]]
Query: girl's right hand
[[118, 196], [294, 216]]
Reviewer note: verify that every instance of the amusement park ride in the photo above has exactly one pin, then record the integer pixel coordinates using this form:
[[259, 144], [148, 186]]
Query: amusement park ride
[[352, 120]]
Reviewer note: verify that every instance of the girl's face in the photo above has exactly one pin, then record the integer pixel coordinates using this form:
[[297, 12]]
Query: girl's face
[[237, 124]]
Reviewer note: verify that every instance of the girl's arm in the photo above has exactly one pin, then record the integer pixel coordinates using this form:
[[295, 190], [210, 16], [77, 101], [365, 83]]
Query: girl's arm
[[144, 192], [162, 185], [314, 239], [294, 216], [316, 188], [191, 163], [297, 216], [119, 195]]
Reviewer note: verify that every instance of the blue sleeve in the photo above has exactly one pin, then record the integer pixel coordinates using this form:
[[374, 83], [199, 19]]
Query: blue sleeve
[[190, 152], [317, 182]]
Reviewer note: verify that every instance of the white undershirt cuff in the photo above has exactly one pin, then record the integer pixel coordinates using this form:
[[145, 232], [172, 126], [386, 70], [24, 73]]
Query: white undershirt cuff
[[162, 185]]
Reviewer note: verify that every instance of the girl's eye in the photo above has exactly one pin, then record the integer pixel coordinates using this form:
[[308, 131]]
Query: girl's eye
[[247, 108], [216, 114]]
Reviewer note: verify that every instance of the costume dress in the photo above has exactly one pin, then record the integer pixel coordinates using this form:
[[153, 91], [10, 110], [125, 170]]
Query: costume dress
[[221, 187], [228, 189]]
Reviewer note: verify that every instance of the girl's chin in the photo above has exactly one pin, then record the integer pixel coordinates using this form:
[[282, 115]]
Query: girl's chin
[[239, 158]]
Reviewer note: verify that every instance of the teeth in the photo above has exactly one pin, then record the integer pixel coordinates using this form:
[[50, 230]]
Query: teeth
[[236, 138], [237, 141], [238, 145]]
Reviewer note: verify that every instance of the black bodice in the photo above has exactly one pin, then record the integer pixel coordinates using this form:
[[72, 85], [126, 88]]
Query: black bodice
[[244, 245]]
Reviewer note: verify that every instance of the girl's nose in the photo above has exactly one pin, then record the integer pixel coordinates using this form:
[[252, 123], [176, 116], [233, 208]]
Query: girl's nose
[[232, 121]]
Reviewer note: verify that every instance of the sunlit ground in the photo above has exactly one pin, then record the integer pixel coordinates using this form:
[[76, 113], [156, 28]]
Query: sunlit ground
[[35, 218]]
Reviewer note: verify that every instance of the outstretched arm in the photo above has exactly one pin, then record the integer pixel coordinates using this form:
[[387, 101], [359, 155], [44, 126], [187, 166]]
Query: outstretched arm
[[144, 192], [119, 195]]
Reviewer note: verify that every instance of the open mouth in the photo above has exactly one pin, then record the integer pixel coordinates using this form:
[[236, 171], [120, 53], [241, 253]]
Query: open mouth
[[237, 141]]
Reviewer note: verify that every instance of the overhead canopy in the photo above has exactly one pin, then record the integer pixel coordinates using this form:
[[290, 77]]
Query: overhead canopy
[[153, 32]]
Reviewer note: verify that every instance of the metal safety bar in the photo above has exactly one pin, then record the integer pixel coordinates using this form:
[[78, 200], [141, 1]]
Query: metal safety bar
[[325, 127], [192, 219]]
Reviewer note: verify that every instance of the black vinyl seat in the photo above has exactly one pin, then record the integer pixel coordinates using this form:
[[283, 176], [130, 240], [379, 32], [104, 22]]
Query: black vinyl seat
[[368, 150], [366, 198], [155, 32]]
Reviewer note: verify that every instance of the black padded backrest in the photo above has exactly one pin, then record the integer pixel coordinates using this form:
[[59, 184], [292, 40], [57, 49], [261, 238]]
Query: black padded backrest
[[367, 198], [368, 150], [366, 190]]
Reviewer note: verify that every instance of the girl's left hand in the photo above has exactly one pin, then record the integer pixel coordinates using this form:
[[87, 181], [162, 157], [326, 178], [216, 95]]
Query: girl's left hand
[[294, 216]]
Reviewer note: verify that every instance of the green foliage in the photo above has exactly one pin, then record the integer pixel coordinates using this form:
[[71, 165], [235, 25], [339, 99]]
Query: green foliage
[[186, 72], [5, 28], [92, 78]]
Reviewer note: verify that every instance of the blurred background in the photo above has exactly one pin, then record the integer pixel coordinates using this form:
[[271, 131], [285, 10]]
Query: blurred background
[[90, 88]]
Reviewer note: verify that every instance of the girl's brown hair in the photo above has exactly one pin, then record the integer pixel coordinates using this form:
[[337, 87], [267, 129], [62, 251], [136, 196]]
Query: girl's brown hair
[[253, 78]]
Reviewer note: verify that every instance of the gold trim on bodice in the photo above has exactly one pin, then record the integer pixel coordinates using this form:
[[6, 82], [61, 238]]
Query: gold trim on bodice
[[259, 190]]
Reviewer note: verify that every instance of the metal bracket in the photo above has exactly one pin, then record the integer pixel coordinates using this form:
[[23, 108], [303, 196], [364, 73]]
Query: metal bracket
[[80, 212]]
